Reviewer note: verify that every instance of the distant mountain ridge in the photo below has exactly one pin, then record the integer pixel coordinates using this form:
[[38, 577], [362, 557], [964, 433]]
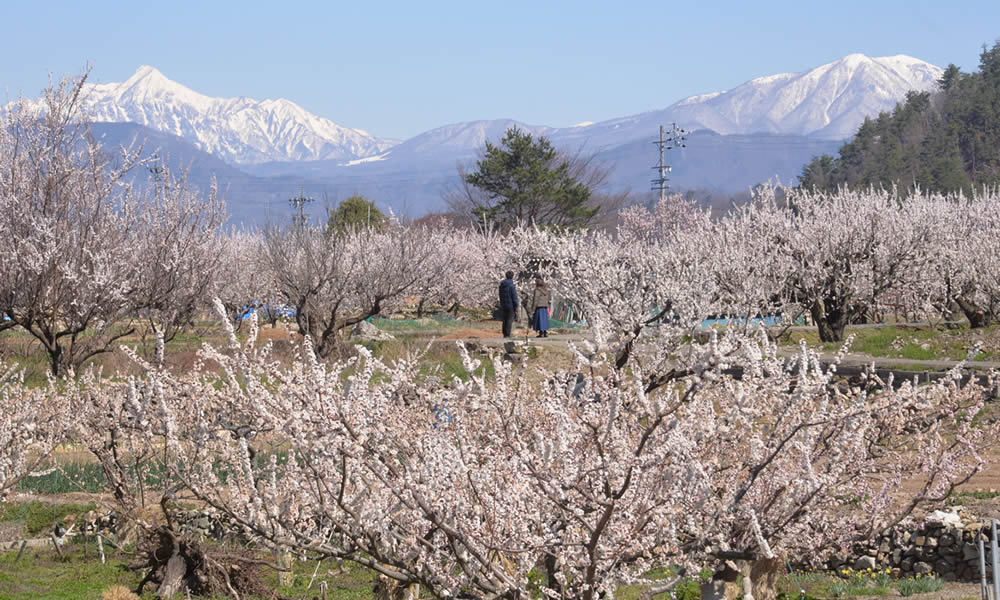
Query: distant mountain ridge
[[764, 129], [237, 130], [829, 102]]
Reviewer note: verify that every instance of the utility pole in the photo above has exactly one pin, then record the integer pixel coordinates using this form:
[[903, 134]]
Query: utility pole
[[156, 169], [299, 204], [668, 141]]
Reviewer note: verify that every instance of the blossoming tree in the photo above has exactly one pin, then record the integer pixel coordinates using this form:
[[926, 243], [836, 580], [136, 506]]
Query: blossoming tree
[[33, 420], [586, 476], [335, 280], [84, 252]]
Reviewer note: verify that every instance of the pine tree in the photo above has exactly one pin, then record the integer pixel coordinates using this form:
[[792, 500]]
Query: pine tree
[[946, 141], [353, 213], [528, 181]]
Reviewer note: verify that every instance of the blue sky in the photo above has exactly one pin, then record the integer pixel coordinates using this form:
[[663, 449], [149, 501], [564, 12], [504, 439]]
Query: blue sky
[[396, 69]]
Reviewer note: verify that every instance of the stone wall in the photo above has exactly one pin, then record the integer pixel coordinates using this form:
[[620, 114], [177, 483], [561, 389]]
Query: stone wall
[[945, 543]]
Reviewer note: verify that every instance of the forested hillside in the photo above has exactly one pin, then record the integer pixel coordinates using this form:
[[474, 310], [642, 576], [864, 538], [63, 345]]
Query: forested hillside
[[944, 141]]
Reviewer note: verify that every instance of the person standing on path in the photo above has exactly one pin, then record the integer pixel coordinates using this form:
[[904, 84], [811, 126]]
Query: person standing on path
[[508, 303], [540, 301]]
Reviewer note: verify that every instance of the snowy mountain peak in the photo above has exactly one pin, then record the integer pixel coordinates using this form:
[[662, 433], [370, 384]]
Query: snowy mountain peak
[[829, 101], [238, 130], [147, 74], [853, 59]]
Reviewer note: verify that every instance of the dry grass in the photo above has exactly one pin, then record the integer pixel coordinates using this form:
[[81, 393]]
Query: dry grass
[[118, 592]]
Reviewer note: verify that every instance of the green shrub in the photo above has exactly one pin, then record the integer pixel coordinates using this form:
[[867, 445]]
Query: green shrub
[[688, 589]]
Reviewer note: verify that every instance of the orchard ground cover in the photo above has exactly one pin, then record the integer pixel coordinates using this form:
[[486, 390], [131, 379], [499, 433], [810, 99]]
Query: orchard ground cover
[[79, 575], [908, 342]]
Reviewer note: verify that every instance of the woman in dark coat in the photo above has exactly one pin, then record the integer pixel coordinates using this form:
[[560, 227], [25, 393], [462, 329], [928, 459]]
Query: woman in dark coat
[[540, 301]]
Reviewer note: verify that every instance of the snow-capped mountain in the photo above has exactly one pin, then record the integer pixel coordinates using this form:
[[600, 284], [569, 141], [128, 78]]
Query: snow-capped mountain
[[764, 129], [828, 102], [237, 130]]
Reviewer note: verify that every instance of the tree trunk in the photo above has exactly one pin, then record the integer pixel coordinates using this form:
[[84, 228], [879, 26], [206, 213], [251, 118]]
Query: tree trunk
[[722, 586], [762, 576], [420, 307], [977, 317], [755, 580], [173, 577], [54, 362], [58, 360], [285, 559], [390, 589], [550, 574], [831, 320]]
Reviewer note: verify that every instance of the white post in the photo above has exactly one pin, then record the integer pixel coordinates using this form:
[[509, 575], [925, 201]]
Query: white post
[[984, 590], [993, 560]]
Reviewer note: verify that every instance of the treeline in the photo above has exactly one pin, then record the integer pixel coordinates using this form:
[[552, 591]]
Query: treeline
[[945, 141]]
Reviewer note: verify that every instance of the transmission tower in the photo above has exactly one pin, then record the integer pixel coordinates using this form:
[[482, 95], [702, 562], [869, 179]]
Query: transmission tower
[[668, 141], [299, 204]]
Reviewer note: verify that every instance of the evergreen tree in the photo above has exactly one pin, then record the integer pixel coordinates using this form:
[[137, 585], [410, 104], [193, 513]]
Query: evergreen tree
[[354, 213], [946, 142], [527, 181]]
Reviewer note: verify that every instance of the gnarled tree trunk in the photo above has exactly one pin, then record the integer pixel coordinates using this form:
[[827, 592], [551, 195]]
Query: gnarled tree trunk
[[977, 316], [831, 319]]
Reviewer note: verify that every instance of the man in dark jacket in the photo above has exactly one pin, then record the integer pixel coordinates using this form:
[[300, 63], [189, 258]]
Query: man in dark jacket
[[508, 302]]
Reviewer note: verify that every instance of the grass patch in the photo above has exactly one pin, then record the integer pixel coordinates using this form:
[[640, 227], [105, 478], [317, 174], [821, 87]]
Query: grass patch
[[440, 359], [351, 582], [88, 476], [430, 322], [70, 477], [964, 497], [39, 517], [914, 352], [40, 574], [688, 588], [849, 583], [444, 361], [912, 343], [913, 367], [919, 585]]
